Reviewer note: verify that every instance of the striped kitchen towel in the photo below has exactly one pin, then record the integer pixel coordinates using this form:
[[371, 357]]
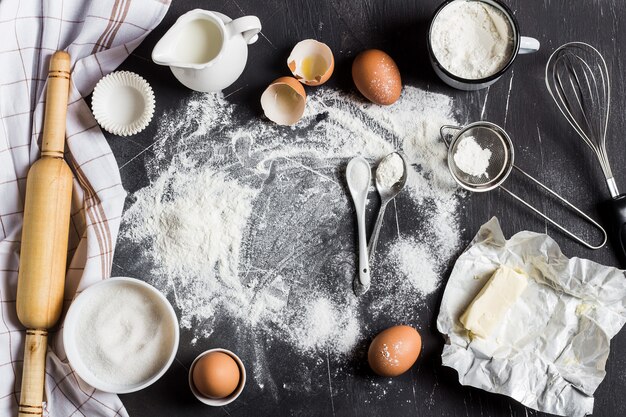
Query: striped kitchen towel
[[99, 35]]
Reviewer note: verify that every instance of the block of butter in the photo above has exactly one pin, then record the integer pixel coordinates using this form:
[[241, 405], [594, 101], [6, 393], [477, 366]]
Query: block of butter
[[488, 308]]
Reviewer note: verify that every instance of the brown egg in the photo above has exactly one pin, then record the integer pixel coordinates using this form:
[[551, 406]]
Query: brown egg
[[216, 375], [394, 351], [377, 77]]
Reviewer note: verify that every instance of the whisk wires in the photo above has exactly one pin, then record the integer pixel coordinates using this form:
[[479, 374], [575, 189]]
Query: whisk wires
[[577, 78]]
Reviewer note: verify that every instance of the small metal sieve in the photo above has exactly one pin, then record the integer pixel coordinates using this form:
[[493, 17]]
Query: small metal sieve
[[487, 136], [491, 136]]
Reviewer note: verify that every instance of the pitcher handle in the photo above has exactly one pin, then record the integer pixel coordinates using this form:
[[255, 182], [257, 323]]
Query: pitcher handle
[[248, 26]]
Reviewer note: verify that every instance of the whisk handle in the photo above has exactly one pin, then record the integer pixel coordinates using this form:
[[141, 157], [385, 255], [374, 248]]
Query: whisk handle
[[614, 211]]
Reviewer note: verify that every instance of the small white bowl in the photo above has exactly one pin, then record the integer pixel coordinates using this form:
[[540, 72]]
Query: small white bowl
[[218, 402], [72, 319]]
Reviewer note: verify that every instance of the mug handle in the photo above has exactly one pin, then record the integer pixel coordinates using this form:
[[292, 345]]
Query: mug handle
[[248, 26], [528, 45]]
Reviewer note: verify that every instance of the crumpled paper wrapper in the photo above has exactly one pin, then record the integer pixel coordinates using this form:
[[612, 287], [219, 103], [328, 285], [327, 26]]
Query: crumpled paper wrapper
[[551, 349]]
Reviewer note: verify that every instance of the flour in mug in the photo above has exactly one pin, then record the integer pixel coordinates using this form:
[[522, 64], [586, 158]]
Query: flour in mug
[[472, 39]]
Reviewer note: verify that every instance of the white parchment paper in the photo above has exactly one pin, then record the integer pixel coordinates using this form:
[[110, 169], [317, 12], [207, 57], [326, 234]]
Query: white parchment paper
[[550, 351]]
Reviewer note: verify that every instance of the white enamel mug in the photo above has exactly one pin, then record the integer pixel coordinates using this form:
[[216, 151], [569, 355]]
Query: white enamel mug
[[521, 45]]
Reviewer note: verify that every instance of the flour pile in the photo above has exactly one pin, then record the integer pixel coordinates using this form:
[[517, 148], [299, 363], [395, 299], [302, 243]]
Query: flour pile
[[471, 158], [408, 257], [252, 223]]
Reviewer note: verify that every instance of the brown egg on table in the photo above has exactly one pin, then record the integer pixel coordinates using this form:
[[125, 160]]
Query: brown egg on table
[[377, 77], [283, 101], [394, 350], [216, 375], [311, 62]]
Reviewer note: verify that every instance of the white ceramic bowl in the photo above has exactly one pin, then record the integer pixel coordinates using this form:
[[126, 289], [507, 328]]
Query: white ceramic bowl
[[218, 402], [72, 320]]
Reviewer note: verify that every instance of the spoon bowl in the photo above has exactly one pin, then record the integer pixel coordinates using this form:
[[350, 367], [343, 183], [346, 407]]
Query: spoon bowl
[[387, 193]]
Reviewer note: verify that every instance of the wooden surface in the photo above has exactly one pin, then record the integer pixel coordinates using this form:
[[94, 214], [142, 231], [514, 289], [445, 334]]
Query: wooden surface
[[545, 146]]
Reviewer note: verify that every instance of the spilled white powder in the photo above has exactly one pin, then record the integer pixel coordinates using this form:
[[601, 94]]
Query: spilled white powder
[[390, 171], [318, 326], [471, 158], [415, 265], [472, 39], [248, 224], [196, 223], [123, 335]]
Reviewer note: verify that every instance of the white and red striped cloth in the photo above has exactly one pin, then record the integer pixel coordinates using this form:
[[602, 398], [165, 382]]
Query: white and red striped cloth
[[99, 35]]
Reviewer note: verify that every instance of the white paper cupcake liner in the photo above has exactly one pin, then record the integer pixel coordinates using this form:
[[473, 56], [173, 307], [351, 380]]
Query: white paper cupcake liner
[[123, 103]]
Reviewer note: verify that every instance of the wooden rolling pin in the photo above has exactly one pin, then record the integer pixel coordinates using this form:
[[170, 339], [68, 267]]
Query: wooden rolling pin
[[45, 232]]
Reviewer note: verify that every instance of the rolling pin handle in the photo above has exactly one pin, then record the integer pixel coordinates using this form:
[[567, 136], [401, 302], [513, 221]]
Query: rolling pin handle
[[33, 371], [53, 140]]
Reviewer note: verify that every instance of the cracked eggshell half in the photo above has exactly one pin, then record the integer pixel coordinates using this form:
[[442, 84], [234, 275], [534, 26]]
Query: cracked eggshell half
[[283, 101], [311, 62]]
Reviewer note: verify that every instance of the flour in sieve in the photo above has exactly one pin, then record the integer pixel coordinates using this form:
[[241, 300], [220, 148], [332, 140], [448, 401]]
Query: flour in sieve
[[471, 158], [249, 223]]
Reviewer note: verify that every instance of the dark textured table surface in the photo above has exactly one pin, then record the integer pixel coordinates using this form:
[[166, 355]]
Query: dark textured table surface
[[544, 145]]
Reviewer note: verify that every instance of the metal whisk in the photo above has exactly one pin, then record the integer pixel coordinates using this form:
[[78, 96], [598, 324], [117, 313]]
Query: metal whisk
[[577, 78]]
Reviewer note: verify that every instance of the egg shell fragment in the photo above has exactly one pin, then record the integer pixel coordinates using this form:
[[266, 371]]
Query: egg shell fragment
[[311, 62], [283, 101], [216, 375], [394, 350], [377, 77]]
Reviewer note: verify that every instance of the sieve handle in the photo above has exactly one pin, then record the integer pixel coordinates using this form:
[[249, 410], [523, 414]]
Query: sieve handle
[[567, 203], [442, 132]]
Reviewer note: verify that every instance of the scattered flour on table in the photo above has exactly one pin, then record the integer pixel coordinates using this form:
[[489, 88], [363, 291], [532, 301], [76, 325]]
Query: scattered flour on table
[[249, 224], [415, 265]]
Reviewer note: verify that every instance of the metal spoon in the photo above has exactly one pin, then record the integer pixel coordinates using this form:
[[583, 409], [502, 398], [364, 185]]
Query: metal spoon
[[359, 177], [386, 195]]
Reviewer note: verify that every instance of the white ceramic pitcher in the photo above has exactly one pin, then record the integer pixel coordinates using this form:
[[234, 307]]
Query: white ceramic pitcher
[[207, 51]]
